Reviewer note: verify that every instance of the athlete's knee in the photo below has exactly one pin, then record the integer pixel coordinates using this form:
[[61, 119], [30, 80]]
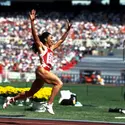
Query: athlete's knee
[[60, 83]]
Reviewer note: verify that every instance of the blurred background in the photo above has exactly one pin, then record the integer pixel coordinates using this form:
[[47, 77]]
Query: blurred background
[[91, 61], [92, 53]]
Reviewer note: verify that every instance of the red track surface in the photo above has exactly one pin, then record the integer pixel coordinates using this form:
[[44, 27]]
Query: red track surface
[[17, 121]]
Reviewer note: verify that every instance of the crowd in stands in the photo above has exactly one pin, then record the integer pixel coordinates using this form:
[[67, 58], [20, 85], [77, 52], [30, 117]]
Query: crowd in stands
[[90, 31]]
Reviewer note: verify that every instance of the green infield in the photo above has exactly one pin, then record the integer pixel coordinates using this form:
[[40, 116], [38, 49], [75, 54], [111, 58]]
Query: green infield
[[96, 101]]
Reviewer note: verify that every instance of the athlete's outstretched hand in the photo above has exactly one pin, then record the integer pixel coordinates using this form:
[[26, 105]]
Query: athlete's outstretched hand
[[68, 25], [32, 15]]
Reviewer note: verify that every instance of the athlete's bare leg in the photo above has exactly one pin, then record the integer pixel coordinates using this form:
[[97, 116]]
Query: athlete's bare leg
[[37, 84], [51, 78], [55, 90]]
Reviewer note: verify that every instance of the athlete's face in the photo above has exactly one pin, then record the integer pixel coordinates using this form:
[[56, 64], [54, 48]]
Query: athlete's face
[[50, 40]]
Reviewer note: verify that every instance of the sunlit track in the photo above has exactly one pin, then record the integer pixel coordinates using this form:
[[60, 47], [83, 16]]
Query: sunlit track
[[26, 121]]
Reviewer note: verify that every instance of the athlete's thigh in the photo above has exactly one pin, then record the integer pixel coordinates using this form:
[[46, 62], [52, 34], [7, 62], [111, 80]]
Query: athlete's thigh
[[53, 78], [48, 76]]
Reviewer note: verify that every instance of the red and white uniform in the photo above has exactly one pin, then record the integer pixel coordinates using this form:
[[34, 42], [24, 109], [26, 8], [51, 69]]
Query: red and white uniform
[[46, 59]]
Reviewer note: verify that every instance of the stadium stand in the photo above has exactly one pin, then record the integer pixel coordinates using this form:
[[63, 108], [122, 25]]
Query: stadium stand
[[88, 36]]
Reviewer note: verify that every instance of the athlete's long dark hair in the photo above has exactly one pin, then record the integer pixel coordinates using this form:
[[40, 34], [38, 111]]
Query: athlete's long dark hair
[[43, 39]]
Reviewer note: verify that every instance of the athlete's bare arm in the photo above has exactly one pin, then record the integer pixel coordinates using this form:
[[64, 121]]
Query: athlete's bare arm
[[39, 44], [57, 44]]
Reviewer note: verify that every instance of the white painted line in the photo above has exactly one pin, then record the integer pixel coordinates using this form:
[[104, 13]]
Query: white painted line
[[120, 117]]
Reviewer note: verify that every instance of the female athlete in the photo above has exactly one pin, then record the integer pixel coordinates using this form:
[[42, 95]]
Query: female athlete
[[44, 46]]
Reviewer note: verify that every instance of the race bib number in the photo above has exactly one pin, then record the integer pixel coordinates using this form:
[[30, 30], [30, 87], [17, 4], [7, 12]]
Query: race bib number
[[50, 58]]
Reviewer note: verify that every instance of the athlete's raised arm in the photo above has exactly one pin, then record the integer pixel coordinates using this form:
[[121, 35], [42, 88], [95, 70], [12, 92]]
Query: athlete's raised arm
[[62, 39], [37, 41]]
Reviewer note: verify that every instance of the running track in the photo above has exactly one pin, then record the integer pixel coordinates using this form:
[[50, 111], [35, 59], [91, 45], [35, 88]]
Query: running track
[[22, 121]]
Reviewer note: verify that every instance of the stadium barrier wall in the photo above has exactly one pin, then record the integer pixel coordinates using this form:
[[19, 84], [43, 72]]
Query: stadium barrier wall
[[69, 77]]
